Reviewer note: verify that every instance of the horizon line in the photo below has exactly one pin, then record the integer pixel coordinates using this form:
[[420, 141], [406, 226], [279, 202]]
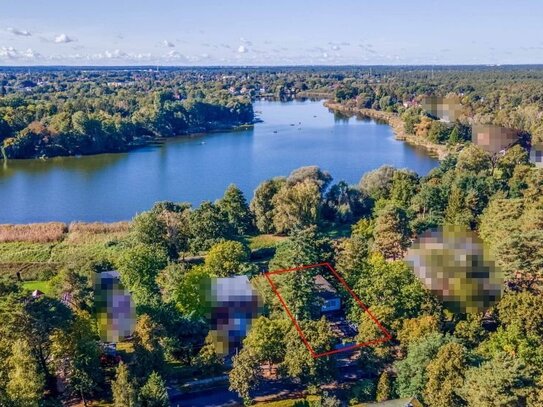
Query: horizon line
[[155, 66]]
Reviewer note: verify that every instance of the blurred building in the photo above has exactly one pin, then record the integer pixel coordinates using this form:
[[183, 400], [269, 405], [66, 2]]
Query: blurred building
[[447, 109], [234, 304], [115, 309], [536, 155], [494, 139]]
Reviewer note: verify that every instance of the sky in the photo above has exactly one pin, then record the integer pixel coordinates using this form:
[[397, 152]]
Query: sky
[[264, 32]]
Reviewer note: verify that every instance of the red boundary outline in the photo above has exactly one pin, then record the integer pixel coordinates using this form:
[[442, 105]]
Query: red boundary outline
[[349, 290]]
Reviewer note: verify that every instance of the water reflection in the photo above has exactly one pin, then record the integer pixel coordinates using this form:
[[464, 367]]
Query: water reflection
[[112, 187]]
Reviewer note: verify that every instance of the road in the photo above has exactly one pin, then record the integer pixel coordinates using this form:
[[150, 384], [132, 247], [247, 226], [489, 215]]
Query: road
[[268, 389]]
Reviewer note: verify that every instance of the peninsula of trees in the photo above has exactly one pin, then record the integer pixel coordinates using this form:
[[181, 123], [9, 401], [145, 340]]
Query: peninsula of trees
[[56, 111]]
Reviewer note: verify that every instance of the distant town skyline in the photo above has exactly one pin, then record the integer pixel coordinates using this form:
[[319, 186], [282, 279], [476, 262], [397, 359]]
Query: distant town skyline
[[243, 32]]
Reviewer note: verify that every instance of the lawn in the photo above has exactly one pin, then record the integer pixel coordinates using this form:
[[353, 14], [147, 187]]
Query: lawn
[[289, 402], [43, 286], [264, 241]]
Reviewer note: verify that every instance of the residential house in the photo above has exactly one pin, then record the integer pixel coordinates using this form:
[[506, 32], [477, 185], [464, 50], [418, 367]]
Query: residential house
[[115, 309], [494, 139], [234, 305], [330, 299], [446, 109]]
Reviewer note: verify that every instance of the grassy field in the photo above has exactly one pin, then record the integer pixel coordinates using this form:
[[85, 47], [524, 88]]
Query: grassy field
[[264, 241], [43, 286], [36, 252]]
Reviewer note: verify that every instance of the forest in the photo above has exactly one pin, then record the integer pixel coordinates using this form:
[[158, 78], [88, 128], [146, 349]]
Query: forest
[[442, 353], [47, 112], [442, 357]]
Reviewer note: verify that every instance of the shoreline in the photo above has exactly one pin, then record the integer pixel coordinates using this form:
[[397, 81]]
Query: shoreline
[[393, 120], [143, 141]]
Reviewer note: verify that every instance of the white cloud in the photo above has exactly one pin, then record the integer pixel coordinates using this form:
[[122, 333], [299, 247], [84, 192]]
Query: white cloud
[[242, 49], [12, 53], [8, 52], [117, 54], [168, 44], [22, 33], [31, 54], [63, 39], [175, 55]]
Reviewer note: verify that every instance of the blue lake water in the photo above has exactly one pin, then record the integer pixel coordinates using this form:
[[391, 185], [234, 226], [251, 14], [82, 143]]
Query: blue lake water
[[111, 187]]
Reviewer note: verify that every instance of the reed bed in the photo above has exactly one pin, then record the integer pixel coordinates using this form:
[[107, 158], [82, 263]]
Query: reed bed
[[80, 232], [33, 232]]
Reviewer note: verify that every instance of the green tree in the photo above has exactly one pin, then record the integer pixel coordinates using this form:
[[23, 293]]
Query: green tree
[[170, 279], [507, 163], [415, 328], [36, 321], [190, 297], [429, 204], [344, 203], [25, 383], [391, 232], [512, 340], [378, 183], [79, 345], [379, 354], [470, 331], [384, 387], [299, 364], [404, 187], [296, 206], [393, 285], [209, 226], [523, 309], [363, 390], [412, 374], [351, 257], [523, 252], [148, 350], [227, 258], [266, 338], [207, 359], [535, 399], [166, 225], [123, 388], [78, 283], [262, 205], [310, 173], [474, 158], [454, 136], [138, 268], [153, 393], [244, 374], [500, 382], [303, 247], [234, 207], [457, 213], [446, 376]]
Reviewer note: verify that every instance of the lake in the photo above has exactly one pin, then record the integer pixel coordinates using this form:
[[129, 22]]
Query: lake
[[112, 187]]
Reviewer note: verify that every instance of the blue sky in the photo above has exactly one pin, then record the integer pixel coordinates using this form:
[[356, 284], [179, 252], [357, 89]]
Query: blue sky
[[263, 32]]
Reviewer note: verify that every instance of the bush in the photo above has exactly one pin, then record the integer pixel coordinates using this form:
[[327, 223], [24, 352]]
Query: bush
[[364, 390]]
